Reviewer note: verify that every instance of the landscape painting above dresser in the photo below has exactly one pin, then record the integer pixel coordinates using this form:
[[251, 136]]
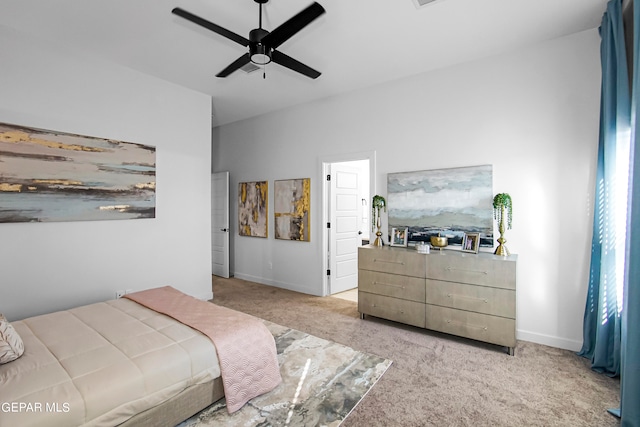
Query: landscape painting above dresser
[[450, 202], [49, 176]]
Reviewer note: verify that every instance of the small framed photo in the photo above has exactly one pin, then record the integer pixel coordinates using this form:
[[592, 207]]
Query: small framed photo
[[399, 236], [471, 242]]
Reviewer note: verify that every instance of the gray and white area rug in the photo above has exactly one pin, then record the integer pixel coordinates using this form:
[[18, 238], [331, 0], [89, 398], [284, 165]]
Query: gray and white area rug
[[322, 382]]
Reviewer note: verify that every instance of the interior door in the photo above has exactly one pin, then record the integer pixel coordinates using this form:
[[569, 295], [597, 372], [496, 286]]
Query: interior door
[[220, 223], [344, 237]]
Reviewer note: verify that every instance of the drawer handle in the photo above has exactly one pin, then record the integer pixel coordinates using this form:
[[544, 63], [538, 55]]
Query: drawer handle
[[468, 271], [484, 300], [389, 284], [389, 262], [468, 325]]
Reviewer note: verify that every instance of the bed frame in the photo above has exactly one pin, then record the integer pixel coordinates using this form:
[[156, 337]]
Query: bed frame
[[180, 407]]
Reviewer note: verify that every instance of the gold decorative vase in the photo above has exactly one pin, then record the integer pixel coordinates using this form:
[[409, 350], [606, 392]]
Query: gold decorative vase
[[502, 248], [439, 242], [378, 241], [377, 203]]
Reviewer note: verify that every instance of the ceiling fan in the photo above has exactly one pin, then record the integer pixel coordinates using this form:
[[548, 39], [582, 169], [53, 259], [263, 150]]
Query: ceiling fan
[[262, 43]]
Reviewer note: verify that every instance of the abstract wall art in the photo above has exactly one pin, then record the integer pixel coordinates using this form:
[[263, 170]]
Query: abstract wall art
[[291, 209], [451, 202], [48, 176], [253, 208]]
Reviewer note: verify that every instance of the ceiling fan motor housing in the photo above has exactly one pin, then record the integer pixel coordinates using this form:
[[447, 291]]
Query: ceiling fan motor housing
[[259, 53]]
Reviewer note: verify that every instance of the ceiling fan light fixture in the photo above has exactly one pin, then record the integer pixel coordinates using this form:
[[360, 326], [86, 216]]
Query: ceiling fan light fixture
[[260, 59], [260, 55]]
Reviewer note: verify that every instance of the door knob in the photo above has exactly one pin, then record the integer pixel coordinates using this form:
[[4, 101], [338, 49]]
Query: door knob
[[224, 229]]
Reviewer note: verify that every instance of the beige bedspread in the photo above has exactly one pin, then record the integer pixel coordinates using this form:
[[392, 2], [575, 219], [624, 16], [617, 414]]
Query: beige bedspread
[[246, 349], [99, 364]]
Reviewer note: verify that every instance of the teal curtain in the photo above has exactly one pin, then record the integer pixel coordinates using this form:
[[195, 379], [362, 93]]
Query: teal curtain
[[612, 320], [630, 369], [602, 319]]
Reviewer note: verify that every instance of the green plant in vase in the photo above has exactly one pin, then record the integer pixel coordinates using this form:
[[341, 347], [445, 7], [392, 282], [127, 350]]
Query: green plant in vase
[[377, 204], [502, 210]]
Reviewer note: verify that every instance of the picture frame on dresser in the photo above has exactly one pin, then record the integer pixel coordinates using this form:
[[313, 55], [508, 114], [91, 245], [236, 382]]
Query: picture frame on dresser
[[471, 242], [399, 236]]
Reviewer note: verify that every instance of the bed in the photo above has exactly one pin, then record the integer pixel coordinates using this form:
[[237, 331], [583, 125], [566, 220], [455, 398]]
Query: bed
[[142, 360]]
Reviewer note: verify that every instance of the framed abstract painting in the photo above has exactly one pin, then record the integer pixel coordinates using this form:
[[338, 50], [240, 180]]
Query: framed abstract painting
[[253, 204], [292, 208], [49, 176]]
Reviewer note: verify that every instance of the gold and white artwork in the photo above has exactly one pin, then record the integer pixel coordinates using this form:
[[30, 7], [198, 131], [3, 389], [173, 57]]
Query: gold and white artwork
[[291, 209], [253, 198]]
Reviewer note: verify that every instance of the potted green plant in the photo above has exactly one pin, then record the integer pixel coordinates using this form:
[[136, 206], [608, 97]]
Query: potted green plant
[[502, 210], [377, 204]]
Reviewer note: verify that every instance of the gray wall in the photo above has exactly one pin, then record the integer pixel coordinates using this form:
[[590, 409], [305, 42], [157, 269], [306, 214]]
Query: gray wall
[[49, 266], [532, 114]]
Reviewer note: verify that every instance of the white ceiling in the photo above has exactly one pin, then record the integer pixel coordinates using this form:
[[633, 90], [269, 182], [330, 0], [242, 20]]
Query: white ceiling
[[355, 44]]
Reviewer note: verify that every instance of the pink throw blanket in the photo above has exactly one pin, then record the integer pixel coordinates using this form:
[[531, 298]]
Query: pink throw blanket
[[246, 349]]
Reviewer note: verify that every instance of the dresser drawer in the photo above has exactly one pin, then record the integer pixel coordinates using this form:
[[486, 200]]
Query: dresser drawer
[[392, 285], [399, 310], [482, 327], [402, 261], [481, 299], [478, 269]]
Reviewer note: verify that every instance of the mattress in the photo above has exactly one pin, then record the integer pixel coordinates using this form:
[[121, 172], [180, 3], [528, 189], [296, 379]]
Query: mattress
[[100, 364]]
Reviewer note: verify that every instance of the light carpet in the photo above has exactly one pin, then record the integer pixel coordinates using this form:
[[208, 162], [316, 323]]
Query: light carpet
[[440, 380], [322, 382]]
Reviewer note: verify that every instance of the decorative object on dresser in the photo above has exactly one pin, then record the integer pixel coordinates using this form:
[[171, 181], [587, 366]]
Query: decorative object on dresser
[[470, 242], [399, 236], [422, 248], [439, 242], [377, 204], [502, 207], [469, 295]]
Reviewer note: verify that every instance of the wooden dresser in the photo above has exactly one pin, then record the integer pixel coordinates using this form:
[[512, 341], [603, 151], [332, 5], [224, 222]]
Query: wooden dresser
[[459, 293]]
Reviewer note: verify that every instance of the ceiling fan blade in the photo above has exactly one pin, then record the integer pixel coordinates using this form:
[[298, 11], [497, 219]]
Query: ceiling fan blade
[[210, 26], [238, 63], [292, 64], [285, 31]]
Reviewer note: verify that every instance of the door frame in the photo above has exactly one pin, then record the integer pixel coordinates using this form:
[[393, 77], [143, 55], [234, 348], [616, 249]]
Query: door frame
[[226, 270], [325, 162]]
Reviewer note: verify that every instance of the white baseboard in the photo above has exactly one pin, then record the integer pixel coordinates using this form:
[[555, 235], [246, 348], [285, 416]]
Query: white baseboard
[[551, 341], [277, 284]]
